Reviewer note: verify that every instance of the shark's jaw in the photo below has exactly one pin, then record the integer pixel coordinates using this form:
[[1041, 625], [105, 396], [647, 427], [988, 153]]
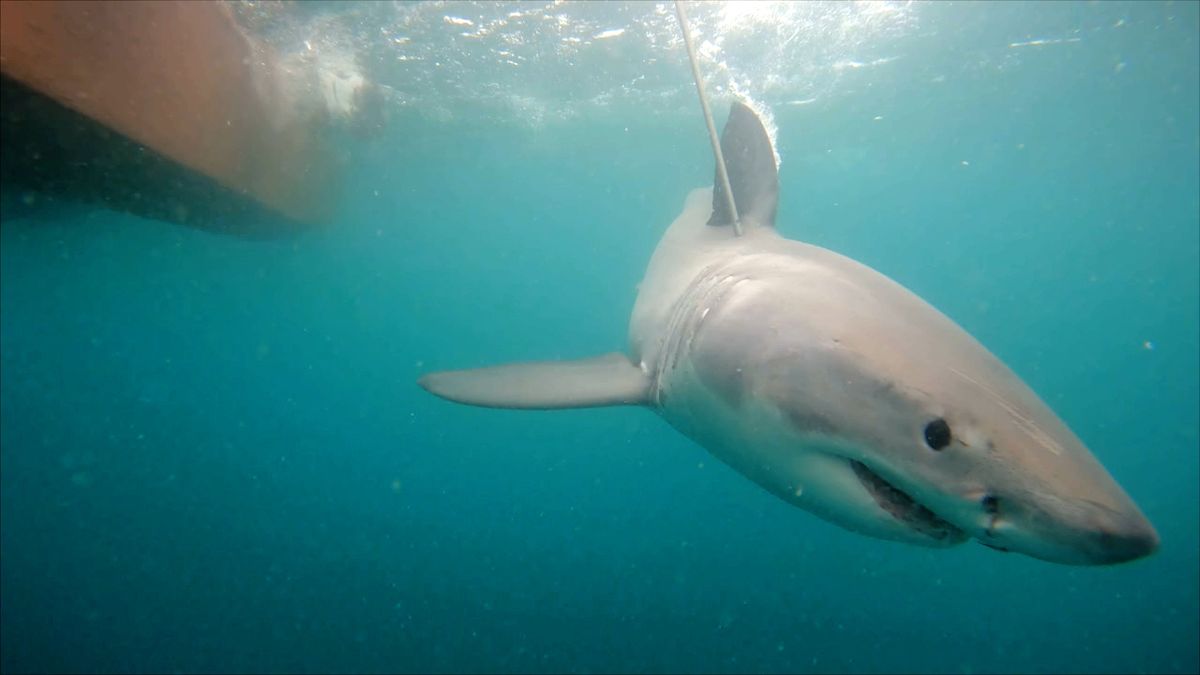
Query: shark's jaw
[[902, 507]]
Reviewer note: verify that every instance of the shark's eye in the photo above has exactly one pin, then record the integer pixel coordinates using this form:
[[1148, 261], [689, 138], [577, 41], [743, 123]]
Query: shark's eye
[[937, 434]]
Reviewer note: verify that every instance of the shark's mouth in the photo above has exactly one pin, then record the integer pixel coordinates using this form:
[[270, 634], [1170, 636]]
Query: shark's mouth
[[904, 508]]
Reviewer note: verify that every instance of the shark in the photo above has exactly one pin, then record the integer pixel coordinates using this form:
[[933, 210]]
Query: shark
[[832, 386]]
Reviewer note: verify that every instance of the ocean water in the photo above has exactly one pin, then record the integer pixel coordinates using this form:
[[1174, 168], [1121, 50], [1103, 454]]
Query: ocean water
[[214, 455]]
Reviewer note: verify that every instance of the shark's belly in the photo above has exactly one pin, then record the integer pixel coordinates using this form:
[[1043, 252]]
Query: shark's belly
[[707, 386], [744, 431], [750, 436], [754, 438]]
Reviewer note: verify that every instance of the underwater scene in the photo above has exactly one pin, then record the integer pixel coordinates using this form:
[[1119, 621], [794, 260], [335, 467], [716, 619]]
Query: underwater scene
[[224, 453]]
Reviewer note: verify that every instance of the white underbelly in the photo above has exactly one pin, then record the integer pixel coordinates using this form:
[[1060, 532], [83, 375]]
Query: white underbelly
[[754, 438]]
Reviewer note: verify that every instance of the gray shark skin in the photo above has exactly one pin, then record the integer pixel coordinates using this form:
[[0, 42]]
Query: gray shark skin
[[834, 388]]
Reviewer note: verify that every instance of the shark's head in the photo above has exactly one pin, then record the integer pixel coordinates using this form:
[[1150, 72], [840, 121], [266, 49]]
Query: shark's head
[[944, 439], [993, 459], [895, 422]]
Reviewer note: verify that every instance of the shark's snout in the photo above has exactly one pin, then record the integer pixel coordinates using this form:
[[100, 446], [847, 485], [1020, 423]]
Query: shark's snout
[[1120, 539], [1081, 534]]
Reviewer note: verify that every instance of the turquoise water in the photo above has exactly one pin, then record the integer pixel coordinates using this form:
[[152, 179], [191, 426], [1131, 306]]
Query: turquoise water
[[215, 457]]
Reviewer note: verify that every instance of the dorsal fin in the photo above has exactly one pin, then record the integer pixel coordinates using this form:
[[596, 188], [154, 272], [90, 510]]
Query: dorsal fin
[[750, 163]]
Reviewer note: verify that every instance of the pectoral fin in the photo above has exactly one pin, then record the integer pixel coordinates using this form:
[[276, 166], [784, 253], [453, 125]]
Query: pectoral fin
[[605, 380]]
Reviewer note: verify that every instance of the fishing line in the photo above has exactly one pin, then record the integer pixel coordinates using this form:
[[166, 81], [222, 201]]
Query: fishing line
[[708, 119]]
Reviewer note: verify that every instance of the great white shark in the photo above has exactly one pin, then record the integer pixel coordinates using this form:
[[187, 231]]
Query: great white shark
[[833, 387]]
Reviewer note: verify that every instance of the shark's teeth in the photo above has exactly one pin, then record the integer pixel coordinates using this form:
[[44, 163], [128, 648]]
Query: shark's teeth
[[903, 507]]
